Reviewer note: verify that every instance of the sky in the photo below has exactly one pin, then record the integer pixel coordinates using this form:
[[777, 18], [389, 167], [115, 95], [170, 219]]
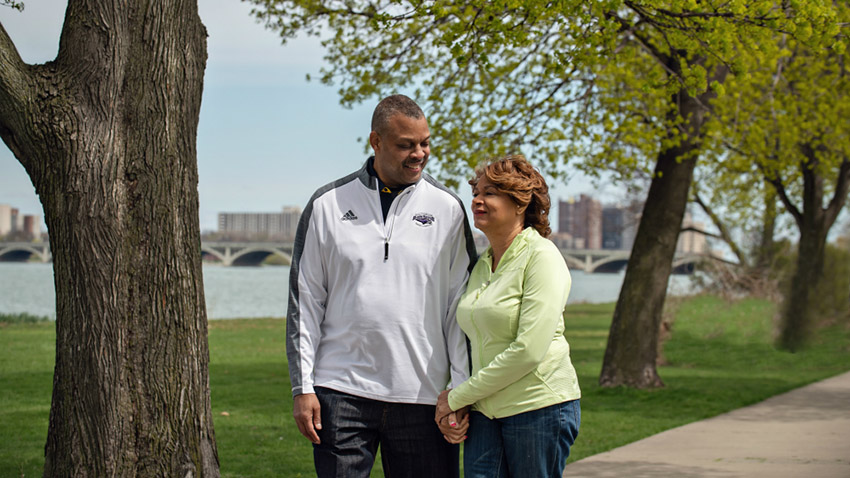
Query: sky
[[267, 138]]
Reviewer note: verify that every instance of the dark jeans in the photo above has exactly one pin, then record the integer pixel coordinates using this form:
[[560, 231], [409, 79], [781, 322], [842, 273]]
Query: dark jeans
[[533, 444], [353, 427]]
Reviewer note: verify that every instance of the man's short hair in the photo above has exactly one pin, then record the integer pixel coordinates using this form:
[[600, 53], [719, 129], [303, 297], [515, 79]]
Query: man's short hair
[[392, 105]]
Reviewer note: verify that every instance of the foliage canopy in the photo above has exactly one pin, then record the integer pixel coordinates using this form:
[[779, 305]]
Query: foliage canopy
[[581, 82]]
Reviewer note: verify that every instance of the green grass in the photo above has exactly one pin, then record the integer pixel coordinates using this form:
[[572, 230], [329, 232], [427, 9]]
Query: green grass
[[26, 380], [720, 357]]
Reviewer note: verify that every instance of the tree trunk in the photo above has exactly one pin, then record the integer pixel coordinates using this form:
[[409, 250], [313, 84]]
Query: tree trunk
[[796, 316], [632, 349], [814, 223], [107, 133], [766, 248]]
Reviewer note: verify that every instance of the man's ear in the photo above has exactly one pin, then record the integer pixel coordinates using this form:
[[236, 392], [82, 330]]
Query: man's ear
[[375, 141]]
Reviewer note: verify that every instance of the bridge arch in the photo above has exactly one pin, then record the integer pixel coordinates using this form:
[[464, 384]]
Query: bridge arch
[[18, 252], [207, 252], [611, 266], [686, 264], [614, 262], [253, 256], [573, 263]]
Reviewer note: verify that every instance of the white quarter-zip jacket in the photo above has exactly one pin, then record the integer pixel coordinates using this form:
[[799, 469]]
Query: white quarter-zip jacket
[[372, 302]]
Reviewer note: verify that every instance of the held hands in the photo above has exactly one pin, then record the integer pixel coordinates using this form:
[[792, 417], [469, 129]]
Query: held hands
[[453, 424], [308, 416]]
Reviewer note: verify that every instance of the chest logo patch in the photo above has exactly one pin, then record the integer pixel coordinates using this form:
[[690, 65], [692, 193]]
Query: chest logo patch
[[423, 219]]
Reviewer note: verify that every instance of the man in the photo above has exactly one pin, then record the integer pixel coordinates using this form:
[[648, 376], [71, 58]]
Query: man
[[381, 258]]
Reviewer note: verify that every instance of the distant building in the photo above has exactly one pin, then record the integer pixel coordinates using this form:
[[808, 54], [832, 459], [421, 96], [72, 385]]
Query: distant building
[[584, 224], [5, 219], [619, 225], [17, 226], [581, 219], [266, 225], [562, 239], [31, 226], [691, 241], [17, 221], [612, 228]]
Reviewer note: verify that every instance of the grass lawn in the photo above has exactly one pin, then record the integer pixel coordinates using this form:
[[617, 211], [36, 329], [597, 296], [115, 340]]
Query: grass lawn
[[720, 357]]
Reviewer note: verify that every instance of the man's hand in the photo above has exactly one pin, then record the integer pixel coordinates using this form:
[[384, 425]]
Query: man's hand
[[308, 416], [443, 407], [453, 424]]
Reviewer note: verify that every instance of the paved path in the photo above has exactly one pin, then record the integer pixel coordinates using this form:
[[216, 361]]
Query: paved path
[[802, 433]]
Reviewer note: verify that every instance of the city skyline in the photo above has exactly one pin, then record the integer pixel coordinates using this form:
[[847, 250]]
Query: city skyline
[[17, 223]]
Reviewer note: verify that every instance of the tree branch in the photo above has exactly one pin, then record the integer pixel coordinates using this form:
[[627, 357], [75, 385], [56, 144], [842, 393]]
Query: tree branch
[[644, 42], [724, 232], [15, 88], [839, 197], [700, 231], [778, 185]]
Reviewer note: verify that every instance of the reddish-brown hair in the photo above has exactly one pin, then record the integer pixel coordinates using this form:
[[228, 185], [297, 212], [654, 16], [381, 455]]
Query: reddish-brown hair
[[515, 176]]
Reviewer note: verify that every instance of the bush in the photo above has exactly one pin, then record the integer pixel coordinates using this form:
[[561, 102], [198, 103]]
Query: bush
[[831, 295], [22, 318]]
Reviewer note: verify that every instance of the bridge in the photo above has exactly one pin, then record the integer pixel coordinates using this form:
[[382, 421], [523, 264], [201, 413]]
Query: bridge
[[254, 253], [25, 251]]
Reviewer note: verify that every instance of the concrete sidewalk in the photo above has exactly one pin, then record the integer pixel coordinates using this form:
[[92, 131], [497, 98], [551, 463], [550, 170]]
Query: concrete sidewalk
[[802, 433]]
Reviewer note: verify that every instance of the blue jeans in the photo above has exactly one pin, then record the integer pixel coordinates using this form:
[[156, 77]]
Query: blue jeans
[[353, 427], [530, 444]]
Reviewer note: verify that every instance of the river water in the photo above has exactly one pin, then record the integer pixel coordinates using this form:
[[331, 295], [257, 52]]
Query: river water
[[245, 292]]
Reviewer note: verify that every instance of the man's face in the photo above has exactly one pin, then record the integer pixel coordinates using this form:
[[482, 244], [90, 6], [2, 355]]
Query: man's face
[[402, 150]]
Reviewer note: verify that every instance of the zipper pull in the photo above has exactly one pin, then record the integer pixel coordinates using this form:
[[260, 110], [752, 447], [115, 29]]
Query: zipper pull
[[386, 250]]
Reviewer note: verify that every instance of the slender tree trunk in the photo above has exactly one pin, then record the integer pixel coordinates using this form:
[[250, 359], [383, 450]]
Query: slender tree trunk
[[107, 133], [765, 251]]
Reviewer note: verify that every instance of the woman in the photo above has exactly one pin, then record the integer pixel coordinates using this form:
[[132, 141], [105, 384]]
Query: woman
[[523, 389]]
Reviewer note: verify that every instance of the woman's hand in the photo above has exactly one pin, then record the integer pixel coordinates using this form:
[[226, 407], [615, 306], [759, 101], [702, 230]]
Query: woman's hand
[[453, 424]]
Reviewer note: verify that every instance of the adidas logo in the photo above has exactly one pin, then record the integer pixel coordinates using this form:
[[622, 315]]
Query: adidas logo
[[349, 216]]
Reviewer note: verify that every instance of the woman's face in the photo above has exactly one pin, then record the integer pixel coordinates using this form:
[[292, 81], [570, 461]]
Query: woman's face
[[493, 211]]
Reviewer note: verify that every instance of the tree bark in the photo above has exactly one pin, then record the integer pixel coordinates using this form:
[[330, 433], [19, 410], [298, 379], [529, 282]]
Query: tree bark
[[107, 133], [632, 349]]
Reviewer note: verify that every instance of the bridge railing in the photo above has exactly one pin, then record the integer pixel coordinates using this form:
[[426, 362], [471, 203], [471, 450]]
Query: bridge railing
[[230, 253]]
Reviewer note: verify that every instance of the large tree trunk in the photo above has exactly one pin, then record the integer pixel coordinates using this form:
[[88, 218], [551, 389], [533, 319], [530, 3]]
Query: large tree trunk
[[632, 349], [107, 133], [814, 223]]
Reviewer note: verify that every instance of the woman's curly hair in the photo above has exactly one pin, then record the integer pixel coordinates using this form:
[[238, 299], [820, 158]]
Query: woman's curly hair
[[516, 177]]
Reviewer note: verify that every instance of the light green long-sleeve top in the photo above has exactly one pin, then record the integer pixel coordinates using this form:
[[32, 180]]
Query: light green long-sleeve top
[[514, 318]]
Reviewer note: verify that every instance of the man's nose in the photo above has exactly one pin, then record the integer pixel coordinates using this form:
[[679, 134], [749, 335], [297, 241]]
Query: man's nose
[[418, 152]]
